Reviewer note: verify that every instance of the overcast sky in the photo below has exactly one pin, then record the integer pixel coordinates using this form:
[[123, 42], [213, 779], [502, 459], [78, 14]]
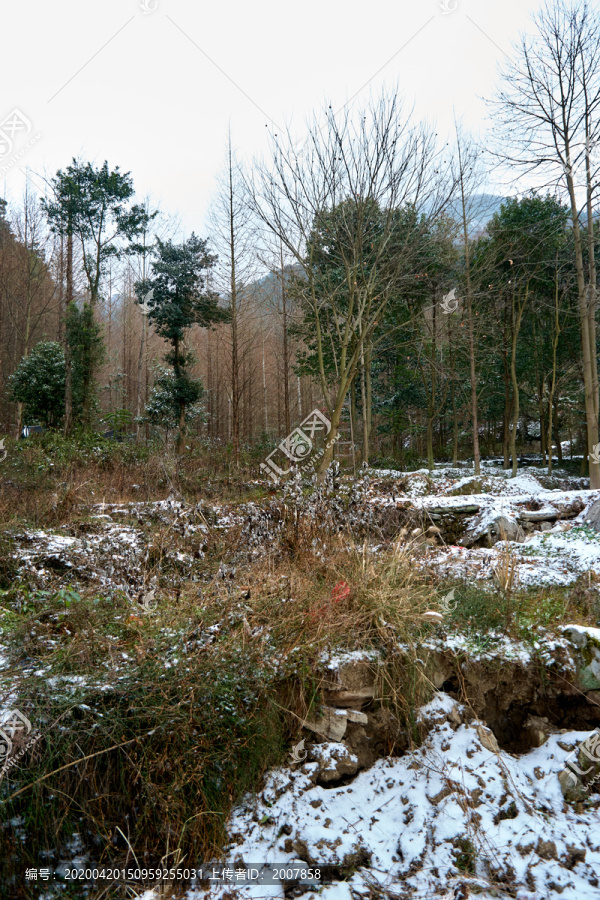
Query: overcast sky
[[153, 90]]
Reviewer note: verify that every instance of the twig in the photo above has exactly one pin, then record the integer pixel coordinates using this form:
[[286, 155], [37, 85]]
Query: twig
[[68, 766]]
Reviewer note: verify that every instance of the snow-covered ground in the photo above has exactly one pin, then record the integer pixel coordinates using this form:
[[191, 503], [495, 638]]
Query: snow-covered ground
[[552, 558], [559, 555], [456, 810], [457, 816]]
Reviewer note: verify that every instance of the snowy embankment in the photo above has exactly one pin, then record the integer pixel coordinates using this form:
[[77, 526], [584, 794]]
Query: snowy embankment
[[456, 811], [551, 540], [457, 816]]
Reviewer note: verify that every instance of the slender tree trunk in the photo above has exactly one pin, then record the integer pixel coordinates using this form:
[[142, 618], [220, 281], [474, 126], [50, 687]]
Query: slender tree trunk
[[353, 407], [545, 441], [180, 443], [559, 453], [431, 401], [265, 388], [476, 453], [68, 357], [365, 412], [555, 338], [586, 304], [369, 397], [329, 445], [515, 384], [182, 430], [286, 362], [61, 294], [454, 413], [515, 417], [138, 403], [235, 364], [593, 295], [138, 399], [584, 460], [507, 411], [210, 403]]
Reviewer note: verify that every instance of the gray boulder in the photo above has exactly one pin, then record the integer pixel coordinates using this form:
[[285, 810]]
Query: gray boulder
[[491, 526], [592, 516]]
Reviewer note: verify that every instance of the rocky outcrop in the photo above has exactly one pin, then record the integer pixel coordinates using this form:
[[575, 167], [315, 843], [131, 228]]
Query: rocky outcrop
[[491, 527], [582, 769], [485, 519]]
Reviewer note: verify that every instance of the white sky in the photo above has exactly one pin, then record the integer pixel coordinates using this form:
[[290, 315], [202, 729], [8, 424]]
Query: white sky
[[104, 80]]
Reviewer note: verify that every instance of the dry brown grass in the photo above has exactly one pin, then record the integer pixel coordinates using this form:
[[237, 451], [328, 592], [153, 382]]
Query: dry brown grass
[[313, 590]]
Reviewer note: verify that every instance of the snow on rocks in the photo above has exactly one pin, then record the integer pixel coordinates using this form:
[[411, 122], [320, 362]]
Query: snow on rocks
[[456, 810], [493, 525], [334, 760], [592, 516], [551, 558], [526, 499], [587, 654]]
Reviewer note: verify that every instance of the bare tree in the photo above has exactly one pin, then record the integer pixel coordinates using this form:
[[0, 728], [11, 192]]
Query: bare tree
[[349, 166], [230, 217], [469, 176], [550, 127], [38, 293]]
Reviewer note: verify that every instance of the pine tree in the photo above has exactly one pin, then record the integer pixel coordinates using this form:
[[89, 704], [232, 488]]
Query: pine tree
[[178, 297]]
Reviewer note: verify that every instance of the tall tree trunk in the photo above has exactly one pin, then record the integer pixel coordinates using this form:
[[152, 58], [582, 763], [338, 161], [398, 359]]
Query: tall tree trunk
[[286, 362], [365, 412], [593, 295], [180, 446], [209, 379], [235, 364], [586, 305], [555, 337], [138, 398], [353, 421], [513, 377], [180, 443], [68, 356], [140, 367], [559, 453], [61, 293], [476, 453], [515, 416], [545, 441], [507, 411], [431, 402], [369, 397], [265, 388]]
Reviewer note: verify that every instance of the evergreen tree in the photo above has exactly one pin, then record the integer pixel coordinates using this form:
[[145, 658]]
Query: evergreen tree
[[94, 206], [178, 297], [39, 384], [86, 345]]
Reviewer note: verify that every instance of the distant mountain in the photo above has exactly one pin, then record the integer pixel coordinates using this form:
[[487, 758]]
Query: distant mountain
[[480, 210]]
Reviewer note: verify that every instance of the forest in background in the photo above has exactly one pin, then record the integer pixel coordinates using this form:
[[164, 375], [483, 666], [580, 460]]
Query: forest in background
[[366, 271]]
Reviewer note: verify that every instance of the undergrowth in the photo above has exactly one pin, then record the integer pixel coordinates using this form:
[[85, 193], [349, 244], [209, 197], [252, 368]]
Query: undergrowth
[[155, 719], [154, 722]]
